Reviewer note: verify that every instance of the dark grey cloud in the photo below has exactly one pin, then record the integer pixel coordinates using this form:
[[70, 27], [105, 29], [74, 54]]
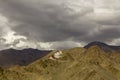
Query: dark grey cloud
[[105, 35], [57, 21], [48, 22]]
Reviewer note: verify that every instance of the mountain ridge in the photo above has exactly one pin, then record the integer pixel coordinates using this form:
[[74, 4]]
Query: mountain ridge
[[11, 57], [72, 64], [92, 63], [103, 46]]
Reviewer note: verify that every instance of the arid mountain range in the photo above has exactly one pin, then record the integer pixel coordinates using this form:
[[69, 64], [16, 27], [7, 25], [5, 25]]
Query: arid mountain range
[[96, 61]]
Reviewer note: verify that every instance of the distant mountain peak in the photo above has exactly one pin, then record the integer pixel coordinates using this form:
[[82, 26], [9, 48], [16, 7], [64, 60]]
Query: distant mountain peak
[[95, 43], [103, 46]]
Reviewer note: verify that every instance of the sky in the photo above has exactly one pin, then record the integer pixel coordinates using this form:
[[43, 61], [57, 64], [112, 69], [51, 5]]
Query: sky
[[58, 24]]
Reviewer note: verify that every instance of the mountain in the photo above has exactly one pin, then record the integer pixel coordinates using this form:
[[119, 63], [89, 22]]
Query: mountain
[[11, 57], [91, 63], [103, 46]]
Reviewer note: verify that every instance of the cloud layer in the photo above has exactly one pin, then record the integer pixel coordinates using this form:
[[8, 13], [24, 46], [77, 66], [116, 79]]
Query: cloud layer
[[60, 22]]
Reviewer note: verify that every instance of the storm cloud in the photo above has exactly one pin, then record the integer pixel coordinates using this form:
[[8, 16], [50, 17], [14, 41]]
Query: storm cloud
[[59, 22]]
